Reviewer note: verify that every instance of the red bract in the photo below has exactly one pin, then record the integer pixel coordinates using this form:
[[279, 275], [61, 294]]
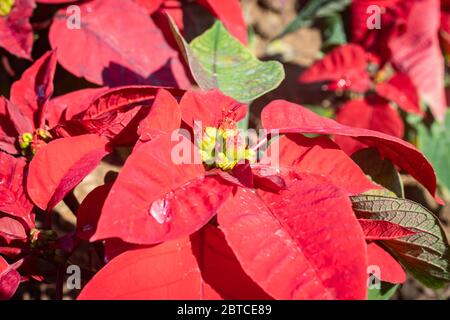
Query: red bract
[[203, 205], [69, 161], [110, 118], [291, 227], [118, 46], [9, 280], [16, 34], [408, 37], [369, 114], [289, 117], [27, 106], [285, 244], [349, 67], [229, 12], [389, 269], [15, 207], [199, 267], [168, 200], [345, 67]]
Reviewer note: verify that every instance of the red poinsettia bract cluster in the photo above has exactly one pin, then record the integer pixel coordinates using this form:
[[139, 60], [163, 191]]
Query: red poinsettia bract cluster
[[187, 230]]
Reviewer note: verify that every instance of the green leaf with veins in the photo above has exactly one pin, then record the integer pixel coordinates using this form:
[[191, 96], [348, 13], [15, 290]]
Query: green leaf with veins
[[217, 60], [426, 254]]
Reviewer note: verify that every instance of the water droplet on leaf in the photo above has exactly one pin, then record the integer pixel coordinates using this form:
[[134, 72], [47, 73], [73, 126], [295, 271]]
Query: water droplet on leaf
[[160, 210]]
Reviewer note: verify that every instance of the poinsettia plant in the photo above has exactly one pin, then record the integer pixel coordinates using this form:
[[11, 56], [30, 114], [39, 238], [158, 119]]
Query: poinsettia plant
[[201, 202], [390, 70]]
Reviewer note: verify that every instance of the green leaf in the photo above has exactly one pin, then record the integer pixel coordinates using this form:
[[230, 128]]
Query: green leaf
[[381, 171], [315, 9], [333, 33], [435, 144], [322, 111], [385, 292], [426, 254], [217, 60]]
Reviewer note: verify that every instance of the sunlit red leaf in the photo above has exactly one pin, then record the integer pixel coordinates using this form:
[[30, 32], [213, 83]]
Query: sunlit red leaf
[[289, 117], [373, 115], [117, 44], [11, 228], [16, 34], [179, 269], [150, 6], [402, 91], [390, 270], [230, 13], [210, 108], [163, 200], [56, 1], [58, 167], [323, 157], [300, 243], [166, 271], [345, 65], [164, 117]]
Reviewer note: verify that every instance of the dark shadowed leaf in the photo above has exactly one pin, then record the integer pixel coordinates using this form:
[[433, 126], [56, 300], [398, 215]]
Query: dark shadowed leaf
[[382, 171]]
